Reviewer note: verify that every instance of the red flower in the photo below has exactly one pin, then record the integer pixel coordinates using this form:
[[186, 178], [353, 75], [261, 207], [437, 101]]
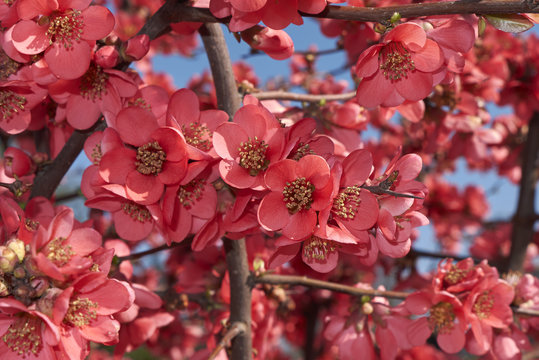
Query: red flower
[[160, 157], [26, 334], [398, 69], [248, 146], [66, 30], [298, 190]]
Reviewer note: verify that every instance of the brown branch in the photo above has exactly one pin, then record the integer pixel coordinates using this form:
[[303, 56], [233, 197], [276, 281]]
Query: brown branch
[[163, 247], [523, 220], [182, 12], [47, 180], [319, 284], [293, 280], [283, 95], [228, 99], [379, 190], [234, 330], [421, 253]]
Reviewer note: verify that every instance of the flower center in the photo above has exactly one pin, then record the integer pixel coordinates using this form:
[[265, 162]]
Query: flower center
[[442, 317], [455, 275], [347, 202], [23, 336], [303, 149], [317, 248], [396, 61], [93, 83], [97, 153], [59, 252], [298, 195], [197, 135], [191, 192], [137, 212], [10, 103], [65, 28], [253, 155], [483, 305], [81, 312], [150, 158], [139, 102]]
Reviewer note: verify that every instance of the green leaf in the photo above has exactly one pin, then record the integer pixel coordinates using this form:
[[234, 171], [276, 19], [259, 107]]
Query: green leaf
[[512, 23], [481, 25]]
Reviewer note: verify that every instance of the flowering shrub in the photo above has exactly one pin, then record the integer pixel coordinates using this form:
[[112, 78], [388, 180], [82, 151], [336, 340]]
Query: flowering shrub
[[250, 195]]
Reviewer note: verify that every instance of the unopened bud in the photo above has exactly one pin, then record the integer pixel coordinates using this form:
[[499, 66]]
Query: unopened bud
[[8, 259], [395, 17], [379, 28], [40, 285], [137, 47], [18, 247], [3, 289], [106, 57], [19, 272], [367, 308]]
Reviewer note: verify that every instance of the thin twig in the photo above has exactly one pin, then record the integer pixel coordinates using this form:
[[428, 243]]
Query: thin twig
[[283, 95], [379, 190], [235, 329], [319, 284], [422, 253], [163, 247], [293, 280]]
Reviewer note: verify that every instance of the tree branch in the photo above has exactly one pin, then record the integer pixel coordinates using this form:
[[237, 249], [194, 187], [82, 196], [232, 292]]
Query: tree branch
[[523, 220], [228, 99], [47, 180], [234, 330], [283, 95], [163, 247], [293, 280], [379, 190], [182, 12], [319, 284]]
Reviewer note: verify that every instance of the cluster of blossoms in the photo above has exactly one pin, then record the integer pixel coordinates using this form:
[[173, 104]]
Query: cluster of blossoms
[[55, 293], [299, 184], [281, 179], [464, 306]]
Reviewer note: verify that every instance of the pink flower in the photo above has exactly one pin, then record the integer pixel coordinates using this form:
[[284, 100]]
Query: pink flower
[[248, 146], [446, 318], [66, 30], [276, 43], [61, 252], [160, 157], [298, 190], [25, 333], [488, 306], [17, 99], [398, 69]]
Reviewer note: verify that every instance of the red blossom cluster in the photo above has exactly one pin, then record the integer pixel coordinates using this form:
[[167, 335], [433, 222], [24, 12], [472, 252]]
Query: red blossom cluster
[[301, 187]]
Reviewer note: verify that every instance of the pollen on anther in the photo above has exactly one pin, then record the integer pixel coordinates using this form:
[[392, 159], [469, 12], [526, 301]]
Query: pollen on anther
[[253, 155], [150, 158], [298, 195]]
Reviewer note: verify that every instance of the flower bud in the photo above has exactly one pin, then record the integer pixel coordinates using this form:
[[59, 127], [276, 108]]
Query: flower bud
[[40, 285], [276, 43], [19, 272], [18, 248], [3, 289], [8, 259], [106, 57], [367, 308], [137, 47]]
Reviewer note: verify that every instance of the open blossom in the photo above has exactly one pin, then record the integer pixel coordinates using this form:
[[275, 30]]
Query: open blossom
[[160, 157], [248, 146], [400, 68], [17, 99], [65, 30], [298, 190]]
